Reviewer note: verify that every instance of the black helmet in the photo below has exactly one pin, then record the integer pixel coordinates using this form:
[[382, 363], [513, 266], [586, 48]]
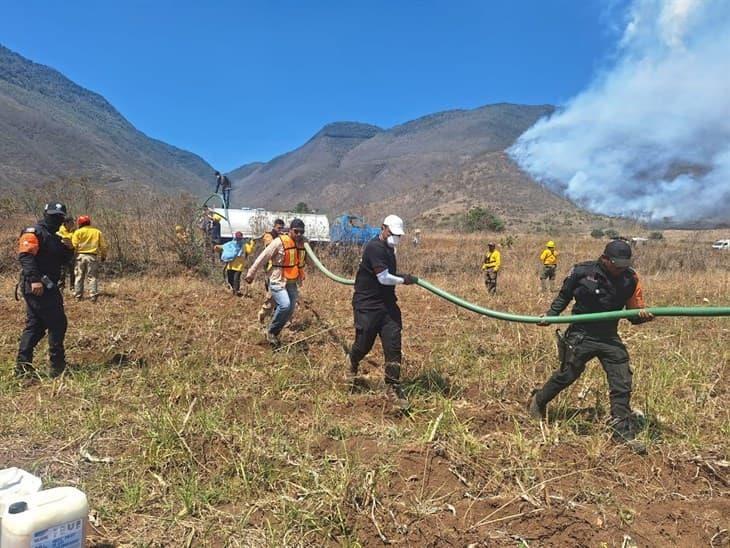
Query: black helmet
[[55, 208]]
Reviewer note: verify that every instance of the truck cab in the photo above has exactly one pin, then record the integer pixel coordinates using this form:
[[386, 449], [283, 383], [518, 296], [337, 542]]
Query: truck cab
[[351, 229]]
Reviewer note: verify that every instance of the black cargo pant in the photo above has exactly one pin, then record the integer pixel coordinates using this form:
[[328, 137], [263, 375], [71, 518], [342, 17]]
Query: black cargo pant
[[385, 323], [233, 277], [44, 313], [580, 348]]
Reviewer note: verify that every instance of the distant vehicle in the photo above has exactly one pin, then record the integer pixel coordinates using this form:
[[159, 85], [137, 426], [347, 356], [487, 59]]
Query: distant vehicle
[[721, 244], [351, 229], [254, 222]]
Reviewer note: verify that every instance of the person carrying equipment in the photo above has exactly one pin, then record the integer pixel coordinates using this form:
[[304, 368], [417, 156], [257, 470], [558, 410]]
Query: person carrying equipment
[[234, 254], [287, 255], [42, 254], [90, 247], [492, 262], [375, 309], [549, 260], [65, 233], [597, 286], [268, 306]]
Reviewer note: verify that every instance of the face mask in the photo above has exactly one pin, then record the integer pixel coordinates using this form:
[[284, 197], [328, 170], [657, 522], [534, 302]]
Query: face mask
[[393, 240], [53, 222]]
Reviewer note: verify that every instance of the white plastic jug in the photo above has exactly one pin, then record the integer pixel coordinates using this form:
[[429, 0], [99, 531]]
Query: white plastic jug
[[46, 519], [16, 483]]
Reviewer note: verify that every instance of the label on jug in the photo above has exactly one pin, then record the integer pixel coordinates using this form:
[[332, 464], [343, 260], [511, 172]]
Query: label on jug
[[67, 535]]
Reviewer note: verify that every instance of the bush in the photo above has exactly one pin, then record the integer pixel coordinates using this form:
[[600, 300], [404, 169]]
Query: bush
[[597, 233], [611, 233], [656, 236], [479, 218]]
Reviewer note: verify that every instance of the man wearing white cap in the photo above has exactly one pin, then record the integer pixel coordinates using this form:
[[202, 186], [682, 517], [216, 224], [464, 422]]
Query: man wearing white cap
[[375, 306]]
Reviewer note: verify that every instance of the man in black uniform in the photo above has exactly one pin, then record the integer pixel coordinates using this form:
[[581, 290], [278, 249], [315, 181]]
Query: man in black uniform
[[597, 286], [42, 255], [375, 306]]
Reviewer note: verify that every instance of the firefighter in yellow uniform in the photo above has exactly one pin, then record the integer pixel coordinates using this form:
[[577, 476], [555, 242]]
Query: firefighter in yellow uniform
[[65, 233], [549, 260], [90, 247], [492, 263], [287, 255]]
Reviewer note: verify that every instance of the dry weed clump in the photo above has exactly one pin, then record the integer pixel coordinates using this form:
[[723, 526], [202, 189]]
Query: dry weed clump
[[184, 429]]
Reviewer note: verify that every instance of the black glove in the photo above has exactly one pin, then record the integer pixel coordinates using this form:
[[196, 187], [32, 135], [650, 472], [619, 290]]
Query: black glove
[[409, 279]]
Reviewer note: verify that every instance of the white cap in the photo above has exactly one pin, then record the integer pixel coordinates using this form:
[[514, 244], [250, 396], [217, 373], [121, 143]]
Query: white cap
[[395, 224]]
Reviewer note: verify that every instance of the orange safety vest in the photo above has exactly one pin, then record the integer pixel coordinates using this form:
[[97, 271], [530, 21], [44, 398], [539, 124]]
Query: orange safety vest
[[294, 258]]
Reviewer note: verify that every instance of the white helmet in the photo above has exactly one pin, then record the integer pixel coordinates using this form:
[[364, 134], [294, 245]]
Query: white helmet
[[395, 224]]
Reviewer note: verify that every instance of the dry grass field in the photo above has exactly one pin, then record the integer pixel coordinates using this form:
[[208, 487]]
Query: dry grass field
[[184, 429]]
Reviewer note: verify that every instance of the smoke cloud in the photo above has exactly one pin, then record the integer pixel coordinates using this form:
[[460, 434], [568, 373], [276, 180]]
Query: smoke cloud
[[650, 137]]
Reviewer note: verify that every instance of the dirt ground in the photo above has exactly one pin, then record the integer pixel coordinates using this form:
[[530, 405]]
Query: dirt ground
[[184, 429]]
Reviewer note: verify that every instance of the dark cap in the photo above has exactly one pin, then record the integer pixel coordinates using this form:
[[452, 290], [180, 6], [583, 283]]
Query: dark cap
[[54, 208], [619, 253], [297, 223]]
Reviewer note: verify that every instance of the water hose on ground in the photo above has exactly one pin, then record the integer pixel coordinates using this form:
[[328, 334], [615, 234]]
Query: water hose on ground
[[704, 311]]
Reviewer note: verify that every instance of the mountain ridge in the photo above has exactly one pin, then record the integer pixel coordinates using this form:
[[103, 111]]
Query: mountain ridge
[[51, 128], [433, 167]]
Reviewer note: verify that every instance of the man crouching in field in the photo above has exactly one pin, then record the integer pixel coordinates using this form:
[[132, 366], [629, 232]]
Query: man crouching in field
[[598, 286]]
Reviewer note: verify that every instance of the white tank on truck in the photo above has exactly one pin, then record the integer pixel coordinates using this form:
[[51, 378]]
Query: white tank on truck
[[252, 223]]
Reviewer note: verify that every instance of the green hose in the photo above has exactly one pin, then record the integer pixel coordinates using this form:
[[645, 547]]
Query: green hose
[[595, 317]]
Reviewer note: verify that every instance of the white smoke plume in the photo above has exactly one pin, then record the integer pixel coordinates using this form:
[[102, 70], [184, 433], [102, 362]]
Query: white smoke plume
[[650, 137]]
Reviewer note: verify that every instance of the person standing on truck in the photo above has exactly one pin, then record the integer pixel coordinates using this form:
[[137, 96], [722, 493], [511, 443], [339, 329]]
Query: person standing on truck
[[223, 185], [375, 307], [491, 264], [268, 305], [90, 247], [234, 254], [42, 254], [549, 260], [287, 256], [606, 284]]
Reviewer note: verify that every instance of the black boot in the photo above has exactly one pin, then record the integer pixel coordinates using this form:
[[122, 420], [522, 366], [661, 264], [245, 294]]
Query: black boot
[[24, 370], [57, 370], [393, 387], [624, 431], [536, 409]]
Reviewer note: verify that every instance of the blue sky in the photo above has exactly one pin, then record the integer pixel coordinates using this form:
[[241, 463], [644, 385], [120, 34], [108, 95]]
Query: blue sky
[[237, 82]]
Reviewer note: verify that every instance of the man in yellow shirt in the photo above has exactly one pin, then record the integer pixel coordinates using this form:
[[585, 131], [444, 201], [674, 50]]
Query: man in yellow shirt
[[90, 247], [65, 233], [492, 263], [549, 260]]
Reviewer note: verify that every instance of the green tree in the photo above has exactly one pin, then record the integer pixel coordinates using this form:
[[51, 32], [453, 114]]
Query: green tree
[[302, 207], [479, 218], [597, 233]]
